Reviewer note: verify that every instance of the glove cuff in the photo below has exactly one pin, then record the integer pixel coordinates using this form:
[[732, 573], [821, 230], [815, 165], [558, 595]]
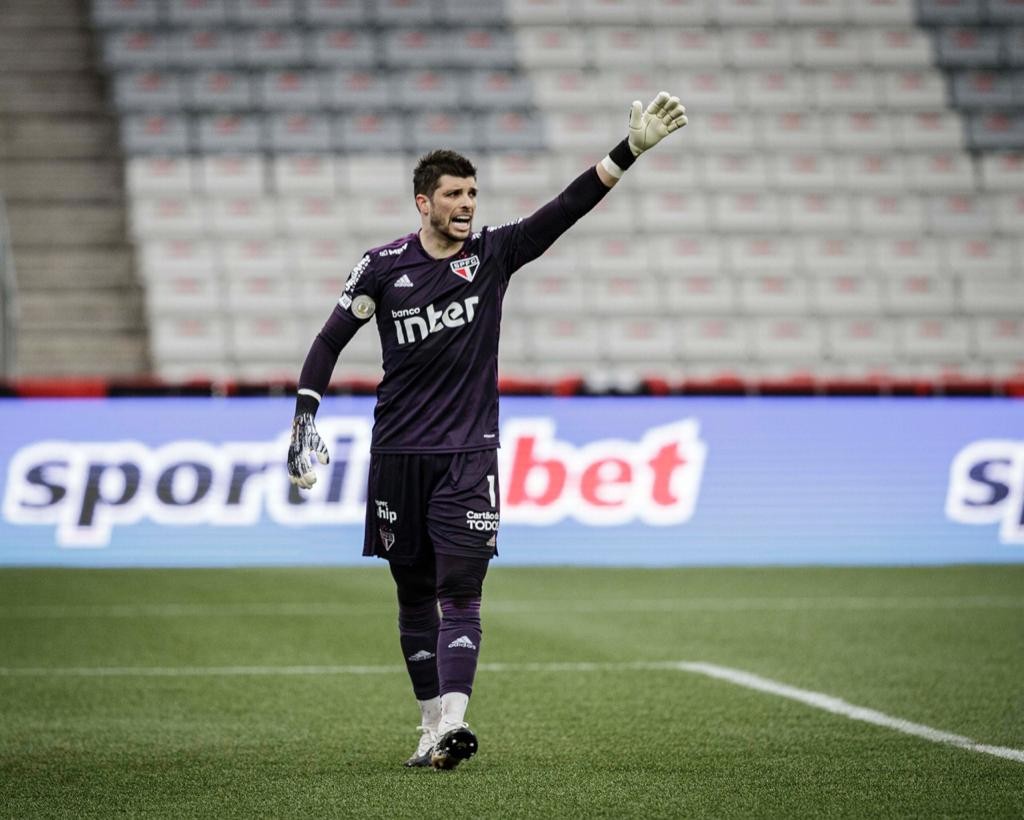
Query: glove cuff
[[619, 159], [307, 401]]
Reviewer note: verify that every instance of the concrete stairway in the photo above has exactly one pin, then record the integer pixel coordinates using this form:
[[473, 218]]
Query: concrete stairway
[[61, 175]]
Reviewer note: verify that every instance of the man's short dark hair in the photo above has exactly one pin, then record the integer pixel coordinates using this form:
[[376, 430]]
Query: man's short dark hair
[[436, 164]]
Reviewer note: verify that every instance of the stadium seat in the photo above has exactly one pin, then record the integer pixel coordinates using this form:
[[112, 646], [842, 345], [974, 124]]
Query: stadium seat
[[898, 47], [889, 214], [1013, 45], [671, 211], [258, 293], [272, 335], [427, 89], [560, 89], [383, 217], [934, 338], [725, 172], [707, 90], [909, 253], [983, 89], [273, 48], [437, 130], [1002, 171], [758, 255], [959, 214], [979, 256], [793, 130], [230, 133], [787, 339], [556, 293], [160, 176], [243, 217], [745, 211], [183, 294], [822, 211], [289, 90], [136, 48], [993, 294], [567, 338], [998, 337], [882, 12], [630, 339], [929, 130], [722, 338], [481, 48], [511, 131], [773, 89], [258, 13], [408, 13], [370, 132], [913, 89], [758, 47], [355, 90], [318, 294], [832, 256], [773, 294], [539, 12], [723, 131], [220, 91], [996, 130], [701, 294], [548, 47], [616, 251], [1005, 11], [828, 47], [177, 257], [320, 13], [486, 13], [845, 88], [313, 216], [168, 217], [677, 12], [623, 47], [131, 13], [804, 171], [882, 172], [681, 253], [950, 12], [196, 12], [148, 91], [232, 175], [299, 133], [317, 258], [946, 171], [861, 338], [743, 12], [916, 294], [196, 48], [621, 292], [293, 174], [574, 130], [498, 90], [687, 47], [254, 257], [860, 131], [967, 46], [343, 48], [846, 295], [175, 338], [802, 12], [514, 172]]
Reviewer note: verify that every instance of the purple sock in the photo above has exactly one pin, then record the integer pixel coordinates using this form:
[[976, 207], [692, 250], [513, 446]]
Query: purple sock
[[458, 644], [417, 629]]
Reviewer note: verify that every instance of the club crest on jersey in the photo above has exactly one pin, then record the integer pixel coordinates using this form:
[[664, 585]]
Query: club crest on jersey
[[387, 538], [466, 268]]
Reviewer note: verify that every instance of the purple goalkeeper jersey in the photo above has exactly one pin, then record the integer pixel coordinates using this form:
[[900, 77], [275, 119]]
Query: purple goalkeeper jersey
[[439, 321]]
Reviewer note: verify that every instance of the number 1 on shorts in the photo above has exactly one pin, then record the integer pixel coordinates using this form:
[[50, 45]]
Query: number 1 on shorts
[[490, 490]]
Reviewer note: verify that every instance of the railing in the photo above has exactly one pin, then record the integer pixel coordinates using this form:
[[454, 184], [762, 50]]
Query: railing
[[8, 299]]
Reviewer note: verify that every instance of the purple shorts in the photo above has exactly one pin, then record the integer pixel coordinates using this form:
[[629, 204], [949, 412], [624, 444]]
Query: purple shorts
[[445, 503]]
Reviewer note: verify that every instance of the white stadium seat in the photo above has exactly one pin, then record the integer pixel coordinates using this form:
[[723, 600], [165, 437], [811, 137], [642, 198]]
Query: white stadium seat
[[674, 211], [678, 12], [177, 257], [160, 176], [616, 252], [313, 215], [702, 294], [251, 257], [540, 12], [876, 172], [999, 337], [907, 254], [794, 130], [317, 295], [934, 338], [828, 47], [666, 171], [634, 339], [687, 47], [773, 294], [1003, 171], [788, 339], [565, 337], [183, 294], [745, 211], [822, 211], [929, 130], [623, 47], [898, 47], [959, 214], [723, 338], [979, 256], [804, 171], [913, 89], [243, 217], [914, 294], [508, 172], [861, 338], [261, 293], [272, 335], [773, 89], [1009, 213], [802, 12], [943, 171], [687, 254], [232, 175], [889, 214], [621, 293], [168, 217], [188, 337], [385, 216], [549, 47], [294, 174], [882, 12], [846, 295], [759, 255], [832, 256], [324, 257], [845, 89], [744, 12], [861, 131], [725, 172], [723, 131], [707, 90], [758, 47], [993, 294], [557, 293], [565, 88]]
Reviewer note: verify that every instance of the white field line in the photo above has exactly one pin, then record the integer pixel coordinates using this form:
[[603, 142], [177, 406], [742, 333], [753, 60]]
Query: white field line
[[748, 680], [707, 604]]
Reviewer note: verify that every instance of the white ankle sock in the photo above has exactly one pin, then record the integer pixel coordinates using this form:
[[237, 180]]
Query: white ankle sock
[[453, 710], [430, 712]]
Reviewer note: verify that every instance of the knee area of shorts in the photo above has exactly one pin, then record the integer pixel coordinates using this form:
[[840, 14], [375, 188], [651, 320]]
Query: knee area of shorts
[[419, 617], [460, 586], [461, 610]]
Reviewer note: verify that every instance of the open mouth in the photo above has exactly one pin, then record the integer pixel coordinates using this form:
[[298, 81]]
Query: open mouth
[[463, 220]]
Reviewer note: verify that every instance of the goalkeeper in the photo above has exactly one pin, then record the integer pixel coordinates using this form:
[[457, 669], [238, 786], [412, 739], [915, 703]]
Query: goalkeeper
[[432, 506]]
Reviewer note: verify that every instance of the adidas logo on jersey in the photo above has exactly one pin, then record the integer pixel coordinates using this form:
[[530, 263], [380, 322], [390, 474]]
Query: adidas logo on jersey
[[404, 282], [462, 643], [422, 655]]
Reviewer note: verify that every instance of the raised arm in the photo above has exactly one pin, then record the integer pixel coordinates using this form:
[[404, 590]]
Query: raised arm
[[647, 127]]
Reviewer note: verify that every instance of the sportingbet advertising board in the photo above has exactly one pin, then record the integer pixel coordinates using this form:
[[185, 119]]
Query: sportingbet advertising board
[[609, 481]]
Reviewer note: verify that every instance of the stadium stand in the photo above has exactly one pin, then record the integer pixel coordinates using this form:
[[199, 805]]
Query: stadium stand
[[845, 202]]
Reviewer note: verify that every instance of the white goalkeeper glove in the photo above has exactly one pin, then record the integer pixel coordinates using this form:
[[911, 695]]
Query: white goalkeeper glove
[[648, 127], [305, 440]]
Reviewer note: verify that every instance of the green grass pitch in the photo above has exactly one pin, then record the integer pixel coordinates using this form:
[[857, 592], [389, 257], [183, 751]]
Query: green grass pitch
[[214, 728]]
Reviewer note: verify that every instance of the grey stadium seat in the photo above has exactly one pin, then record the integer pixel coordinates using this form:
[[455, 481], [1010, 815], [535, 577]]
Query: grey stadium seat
[[983, 89], [950, 12], [512, 131], [472, 12], [119, 13], [218, 133], [968, 47], [1005, 11], [1013, 45], [148, 91], [411, 13], [356, 90], [203, 48], [448, 130], [481, 48], [135, 48], [414, 48], [499, 89], [155, 134], [343, 47], [333, 12], [999, 130], [273, 47], [262, 12], [369, 132], [197, 12], [299, 133], [290, 90], [220, 90], [427, 89]]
